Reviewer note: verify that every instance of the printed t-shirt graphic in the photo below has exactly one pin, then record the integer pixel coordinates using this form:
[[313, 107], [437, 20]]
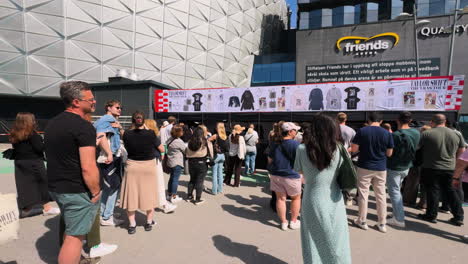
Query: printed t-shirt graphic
[[352, 99], [197, 101], [234, 101], [334, 98], [316, 99], [298, 101], [247, 100]]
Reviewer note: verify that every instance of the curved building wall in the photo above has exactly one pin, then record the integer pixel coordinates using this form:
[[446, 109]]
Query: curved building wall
[[182, 43]]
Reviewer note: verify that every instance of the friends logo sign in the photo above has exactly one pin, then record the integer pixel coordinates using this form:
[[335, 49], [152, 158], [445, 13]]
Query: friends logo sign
[[362, 46]]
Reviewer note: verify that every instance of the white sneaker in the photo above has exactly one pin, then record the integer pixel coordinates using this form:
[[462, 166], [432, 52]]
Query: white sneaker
[[382, 228], [51, 211], [101, 250], [111, 222], [284, 226], [392, 221], [176, 199], [361, 225], [295, 225], [169, 208]]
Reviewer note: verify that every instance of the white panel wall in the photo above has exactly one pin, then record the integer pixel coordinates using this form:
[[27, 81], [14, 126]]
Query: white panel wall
[[182, 43]]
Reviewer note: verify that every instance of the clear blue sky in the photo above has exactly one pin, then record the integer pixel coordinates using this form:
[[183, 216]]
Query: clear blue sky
[[293, 5]]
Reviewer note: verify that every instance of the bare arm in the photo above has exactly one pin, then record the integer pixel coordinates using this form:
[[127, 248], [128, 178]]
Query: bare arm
[[104, 144], [460, 151], [354, 148], [90, 171], [389, 152], [460, 167]]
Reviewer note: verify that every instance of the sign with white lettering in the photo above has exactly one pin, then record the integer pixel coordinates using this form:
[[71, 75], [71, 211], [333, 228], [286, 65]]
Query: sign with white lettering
[[442, 30], [362, 46]]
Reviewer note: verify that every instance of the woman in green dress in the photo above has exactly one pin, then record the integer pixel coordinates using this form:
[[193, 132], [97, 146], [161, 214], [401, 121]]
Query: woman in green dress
[[324, 227]]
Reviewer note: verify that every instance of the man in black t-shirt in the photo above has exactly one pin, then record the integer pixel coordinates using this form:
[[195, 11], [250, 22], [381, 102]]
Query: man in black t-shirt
[[73, 176]]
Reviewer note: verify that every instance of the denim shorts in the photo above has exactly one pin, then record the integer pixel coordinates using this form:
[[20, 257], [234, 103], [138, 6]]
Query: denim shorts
[[77, 211]]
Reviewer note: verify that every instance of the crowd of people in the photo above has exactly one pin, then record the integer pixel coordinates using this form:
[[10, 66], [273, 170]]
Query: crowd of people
[[93, 169]]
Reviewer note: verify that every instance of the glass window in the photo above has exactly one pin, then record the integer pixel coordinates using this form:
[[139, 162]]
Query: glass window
[[275, 72], [288, 72], [327, 17], [315, 19], [372, 12], [423, 7], [348, 18], [436, 7], [397, 8], [357, 14], [449, 6], [338, 15], [304, 20], [463, 3]]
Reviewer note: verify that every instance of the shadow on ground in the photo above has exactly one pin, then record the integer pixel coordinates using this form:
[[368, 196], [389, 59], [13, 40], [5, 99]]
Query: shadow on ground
[[48, 244], [248, 254], [254, 208]]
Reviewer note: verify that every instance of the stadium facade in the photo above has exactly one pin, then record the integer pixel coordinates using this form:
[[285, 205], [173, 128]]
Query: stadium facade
[[181, 43]]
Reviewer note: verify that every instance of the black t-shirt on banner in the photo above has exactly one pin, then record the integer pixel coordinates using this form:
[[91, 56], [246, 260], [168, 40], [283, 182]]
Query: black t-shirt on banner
[[141, 144], [63, 137]]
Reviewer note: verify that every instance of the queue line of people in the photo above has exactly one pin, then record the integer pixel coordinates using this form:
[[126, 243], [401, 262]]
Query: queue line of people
[[85, 184]]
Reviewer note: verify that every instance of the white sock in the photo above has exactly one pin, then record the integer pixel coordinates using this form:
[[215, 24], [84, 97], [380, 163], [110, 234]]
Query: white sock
[[132, 222]]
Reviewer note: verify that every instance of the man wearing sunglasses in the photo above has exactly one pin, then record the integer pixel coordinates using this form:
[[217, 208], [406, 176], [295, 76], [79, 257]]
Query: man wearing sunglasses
[[109, 131]]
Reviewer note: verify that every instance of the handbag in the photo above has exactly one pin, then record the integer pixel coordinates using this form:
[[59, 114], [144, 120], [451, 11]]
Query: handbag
[[165, 166], [9, 154], [9, 213], [347, 176]]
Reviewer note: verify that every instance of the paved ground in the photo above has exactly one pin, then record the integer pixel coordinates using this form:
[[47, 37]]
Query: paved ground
[[237, 227]]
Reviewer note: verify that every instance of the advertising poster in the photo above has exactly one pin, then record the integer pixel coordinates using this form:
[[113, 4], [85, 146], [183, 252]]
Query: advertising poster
[[413, 94]]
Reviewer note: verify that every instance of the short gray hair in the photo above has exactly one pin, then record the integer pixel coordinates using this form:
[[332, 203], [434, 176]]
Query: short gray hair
[[71, 90]]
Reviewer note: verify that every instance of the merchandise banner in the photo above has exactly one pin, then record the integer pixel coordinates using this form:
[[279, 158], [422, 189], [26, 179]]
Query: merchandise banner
[[442, 93]]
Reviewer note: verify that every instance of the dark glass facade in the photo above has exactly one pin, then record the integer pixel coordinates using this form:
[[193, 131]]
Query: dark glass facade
[[314, 14], [281, 72]]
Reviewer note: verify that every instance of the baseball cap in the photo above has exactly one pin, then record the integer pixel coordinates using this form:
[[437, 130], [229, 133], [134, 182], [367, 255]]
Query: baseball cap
[[165, 123], [288, 126]]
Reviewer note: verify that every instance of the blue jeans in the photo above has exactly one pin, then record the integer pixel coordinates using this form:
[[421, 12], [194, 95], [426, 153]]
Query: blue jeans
[[250, 162], [218, 173], [174, 179], [111, 174], [394, 180]]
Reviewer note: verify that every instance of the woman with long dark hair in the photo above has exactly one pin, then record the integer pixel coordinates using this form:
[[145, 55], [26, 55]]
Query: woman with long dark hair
[[30, 171], [197, 153], [139, 185], [324, 227]]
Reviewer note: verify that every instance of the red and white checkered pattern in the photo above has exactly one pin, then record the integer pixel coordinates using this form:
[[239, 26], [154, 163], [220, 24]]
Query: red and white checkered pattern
[[161, 101], [453, 97]]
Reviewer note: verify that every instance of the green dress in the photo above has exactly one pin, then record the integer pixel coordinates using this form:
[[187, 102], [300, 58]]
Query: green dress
[[324, 224]]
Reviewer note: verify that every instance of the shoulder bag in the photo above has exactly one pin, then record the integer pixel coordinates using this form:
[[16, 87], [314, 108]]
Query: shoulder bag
[[166, 168], [347, 176]]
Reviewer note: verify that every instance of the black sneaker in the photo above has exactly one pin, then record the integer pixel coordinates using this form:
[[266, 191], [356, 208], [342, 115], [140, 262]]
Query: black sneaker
[[149, 227], [131, 230], [427, 218], [456, 222], [198, 202]]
